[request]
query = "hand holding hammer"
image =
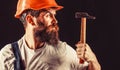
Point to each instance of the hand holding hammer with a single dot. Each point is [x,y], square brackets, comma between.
[81,45]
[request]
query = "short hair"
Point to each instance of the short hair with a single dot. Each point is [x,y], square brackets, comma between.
[34,13]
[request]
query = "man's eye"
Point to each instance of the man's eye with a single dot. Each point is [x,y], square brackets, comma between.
[48,15]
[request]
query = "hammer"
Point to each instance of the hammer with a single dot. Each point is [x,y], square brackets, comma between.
[83,16]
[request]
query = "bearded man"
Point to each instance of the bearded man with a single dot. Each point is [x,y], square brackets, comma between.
[40,48]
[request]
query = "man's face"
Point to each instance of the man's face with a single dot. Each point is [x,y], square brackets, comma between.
[47,28]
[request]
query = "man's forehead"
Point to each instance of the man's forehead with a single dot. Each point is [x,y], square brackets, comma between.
[51,10]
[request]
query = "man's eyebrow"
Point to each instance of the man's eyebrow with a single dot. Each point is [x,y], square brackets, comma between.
[47,11]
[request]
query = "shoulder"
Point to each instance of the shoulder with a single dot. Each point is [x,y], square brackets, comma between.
[67,50]
[70,52]
[7,57]
[6,52]
[62,49]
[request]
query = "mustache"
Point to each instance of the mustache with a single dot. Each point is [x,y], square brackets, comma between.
[52,28]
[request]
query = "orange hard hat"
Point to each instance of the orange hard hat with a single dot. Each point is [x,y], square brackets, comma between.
[35,5]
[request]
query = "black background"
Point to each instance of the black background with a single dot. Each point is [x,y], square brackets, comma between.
[102,33]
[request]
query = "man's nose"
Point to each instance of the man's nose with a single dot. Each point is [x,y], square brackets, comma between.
[54,21]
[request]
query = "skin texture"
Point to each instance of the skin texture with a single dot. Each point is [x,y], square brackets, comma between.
[85,53]
[45,25]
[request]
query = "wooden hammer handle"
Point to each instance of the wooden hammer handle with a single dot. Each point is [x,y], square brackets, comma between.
[83,34]
[83,30]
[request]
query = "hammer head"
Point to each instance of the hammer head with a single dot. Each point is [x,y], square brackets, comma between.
[83,14]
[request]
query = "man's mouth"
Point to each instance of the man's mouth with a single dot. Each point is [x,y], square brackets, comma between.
[52,28]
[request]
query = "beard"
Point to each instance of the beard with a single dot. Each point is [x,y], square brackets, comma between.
[47,34]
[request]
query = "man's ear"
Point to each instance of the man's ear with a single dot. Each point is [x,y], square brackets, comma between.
[29,19]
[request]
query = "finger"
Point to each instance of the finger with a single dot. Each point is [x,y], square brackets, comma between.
[80,56]
[80,49]
[89,55]
[80,52]
[80,45]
